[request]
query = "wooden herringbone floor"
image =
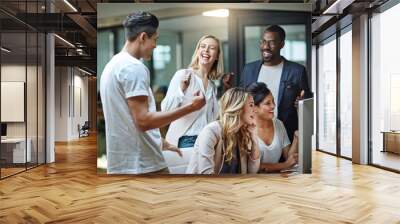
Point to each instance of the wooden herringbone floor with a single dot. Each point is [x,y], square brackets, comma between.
[70,191]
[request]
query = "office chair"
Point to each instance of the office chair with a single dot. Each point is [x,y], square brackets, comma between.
[84,130]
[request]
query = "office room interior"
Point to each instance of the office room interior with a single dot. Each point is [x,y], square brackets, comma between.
[53,157]
[178,35]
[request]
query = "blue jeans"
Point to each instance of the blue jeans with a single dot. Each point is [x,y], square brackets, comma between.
[187,141]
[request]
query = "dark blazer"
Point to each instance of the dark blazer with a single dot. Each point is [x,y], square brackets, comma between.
[293,80]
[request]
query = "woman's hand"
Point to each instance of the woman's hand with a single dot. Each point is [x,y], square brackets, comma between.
[227,80]
[294,148]
[291,160]
[252,129]
[185,81]
[167,146]
[296,134]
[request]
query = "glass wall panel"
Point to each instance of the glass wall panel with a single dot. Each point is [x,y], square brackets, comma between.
[41,79]
[121,39]
[346,94]
[22,89]
[385,84]
[14,153]
[327,96]
[105,48]
[31,98]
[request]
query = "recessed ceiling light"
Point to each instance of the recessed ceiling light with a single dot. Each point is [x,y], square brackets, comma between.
[337,7]
[84,71]
[5,50]
[64,40]
[70,5]
[217,13]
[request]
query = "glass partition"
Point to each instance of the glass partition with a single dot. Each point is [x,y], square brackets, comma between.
[327,96]
[31,98]
[346,94]
[15,151]
[385,89]
[22,88]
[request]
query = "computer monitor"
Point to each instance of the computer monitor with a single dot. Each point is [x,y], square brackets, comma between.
[3,129]
[306,130]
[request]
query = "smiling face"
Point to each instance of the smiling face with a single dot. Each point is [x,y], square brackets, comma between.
[270,46]
[248,111]
[207,53]
[265,110]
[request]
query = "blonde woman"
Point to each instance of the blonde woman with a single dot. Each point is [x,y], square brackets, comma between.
[228,145]
[206,65]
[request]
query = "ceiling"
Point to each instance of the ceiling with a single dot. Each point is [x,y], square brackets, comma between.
[107,10]
[186,23]
[111,14]
[329,15]
[76,24]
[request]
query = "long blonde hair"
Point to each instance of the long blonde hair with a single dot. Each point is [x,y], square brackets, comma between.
[217,68]
[234,132]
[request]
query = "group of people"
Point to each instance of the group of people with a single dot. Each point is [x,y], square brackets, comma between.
[237,134]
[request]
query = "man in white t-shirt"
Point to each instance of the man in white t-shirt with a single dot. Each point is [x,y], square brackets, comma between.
[287,80]
[133,140]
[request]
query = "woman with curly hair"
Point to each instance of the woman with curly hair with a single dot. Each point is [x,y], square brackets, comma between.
[228,145]
[273,140]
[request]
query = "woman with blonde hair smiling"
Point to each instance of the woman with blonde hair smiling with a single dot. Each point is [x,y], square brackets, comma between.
[228,145]
[206,65]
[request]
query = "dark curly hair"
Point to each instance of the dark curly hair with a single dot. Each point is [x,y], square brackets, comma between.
[259,91]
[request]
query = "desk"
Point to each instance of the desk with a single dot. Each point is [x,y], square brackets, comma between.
[13,150]
[391,141]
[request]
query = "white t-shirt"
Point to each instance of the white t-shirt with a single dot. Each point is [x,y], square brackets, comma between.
[272,153]
[129,150]
[271,75]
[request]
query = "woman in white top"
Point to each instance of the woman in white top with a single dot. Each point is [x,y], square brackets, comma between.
[229,145]
[273,140]
[206,65]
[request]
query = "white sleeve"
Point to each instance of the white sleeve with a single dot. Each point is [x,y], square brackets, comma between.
[134,81]
[282,133]
[207,140]
[174,96]
[216,104]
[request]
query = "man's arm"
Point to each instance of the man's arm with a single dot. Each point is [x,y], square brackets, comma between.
[146,120]
[304,84]
[304,88]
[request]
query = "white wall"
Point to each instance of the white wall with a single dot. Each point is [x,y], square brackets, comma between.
[70,83]
[17,73]
[79,117]
[61,103]
[33,126]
